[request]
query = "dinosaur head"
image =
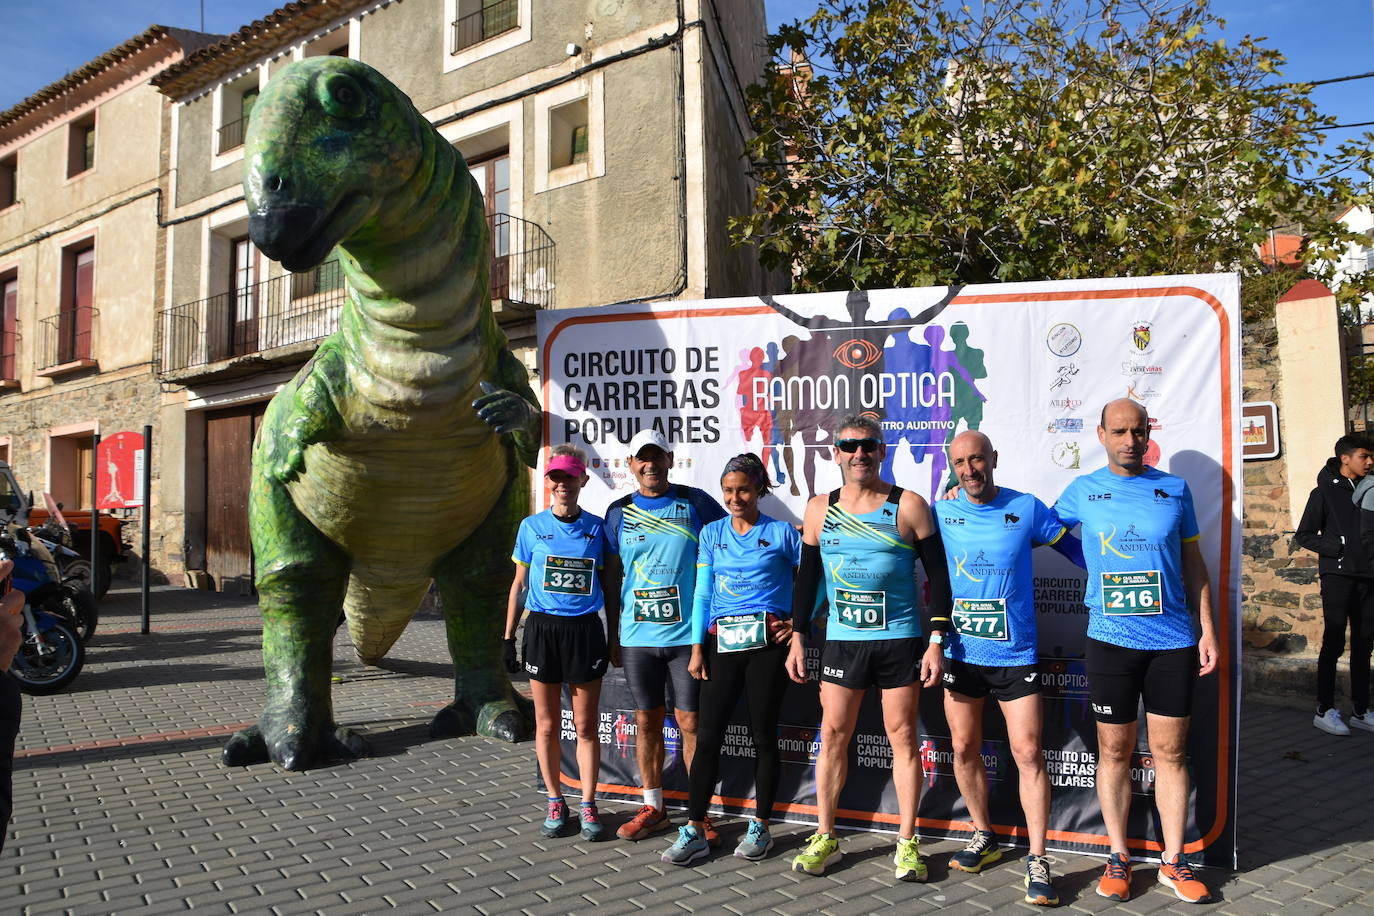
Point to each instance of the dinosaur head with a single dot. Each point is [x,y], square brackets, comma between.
[329,138]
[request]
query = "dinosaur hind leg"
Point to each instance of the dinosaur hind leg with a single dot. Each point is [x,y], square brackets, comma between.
[300,578]
[474,580]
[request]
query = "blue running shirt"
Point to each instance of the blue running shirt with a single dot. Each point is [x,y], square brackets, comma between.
[988,551]
[744,573]
[563,559]
[1132,531]
[870,574]
[656,537]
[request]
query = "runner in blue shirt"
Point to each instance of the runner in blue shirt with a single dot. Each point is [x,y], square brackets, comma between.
[558,562]
[741,625]
[864,539]
[652,535]
[988,533]
[1146,580]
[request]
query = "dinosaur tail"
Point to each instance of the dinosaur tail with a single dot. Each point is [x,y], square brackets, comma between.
[378,611]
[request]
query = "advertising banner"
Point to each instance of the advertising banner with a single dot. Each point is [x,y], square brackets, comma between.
[1030,365]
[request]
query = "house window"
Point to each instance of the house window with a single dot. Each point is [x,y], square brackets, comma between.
[333,43]
[9,181]
[78,303]
[9,309]
[479,20]
[235,123]
[569,133]
[81,146]
[326,278]
[492,175]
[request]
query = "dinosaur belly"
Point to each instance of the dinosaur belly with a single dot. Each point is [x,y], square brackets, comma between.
[397,504]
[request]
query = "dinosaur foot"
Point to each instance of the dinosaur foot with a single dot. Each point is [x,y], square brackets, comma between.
[505,719]
[293,749]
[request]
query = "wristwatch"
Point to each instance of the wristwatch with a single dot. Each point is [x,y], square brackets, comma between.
[937,638]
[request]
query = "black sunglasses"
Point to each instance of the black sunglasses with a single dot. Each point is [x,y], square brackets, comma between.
[850,446]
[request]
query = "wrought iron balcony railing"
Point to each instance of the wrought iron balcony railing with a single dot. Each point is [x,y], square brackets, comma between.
[65,338]
[488,22]
[303,308]
[231,135]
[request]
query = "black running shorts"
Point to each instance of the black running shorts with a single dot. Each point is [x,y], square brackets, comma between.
[565,650]
[1002,683]
[883,663]
[1118,677]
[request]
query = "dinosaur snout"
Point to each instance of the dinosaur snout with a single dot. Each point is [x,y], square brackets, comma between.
[289,233]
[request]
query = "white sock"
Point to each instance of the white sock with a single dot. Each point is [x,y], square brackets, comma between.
[654,798]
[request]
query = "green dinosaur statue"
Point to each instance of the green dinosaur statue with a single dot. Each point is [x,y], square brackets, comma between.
[397,455]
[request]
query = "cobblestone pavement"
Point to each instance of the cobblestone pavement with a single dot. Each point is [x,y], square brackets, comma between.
[121,805]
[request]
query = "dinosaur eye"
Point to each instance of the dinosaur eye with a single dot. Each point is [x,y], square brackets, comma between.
[341,96]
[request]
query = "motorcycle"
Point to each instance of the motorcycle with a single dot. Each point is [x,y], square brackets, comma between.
[72,572]
[51,653]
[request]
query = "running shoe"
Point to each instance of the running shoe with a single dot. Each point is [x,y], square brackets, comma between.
[1116,880]
[821,851]
[755,843]
[646,822]
[690,847]
[1039,888]
[712,836]
[1331,722]
[591,823]
[557,820]
[981,850]
[1178,876]
[1364,720]
[910,865]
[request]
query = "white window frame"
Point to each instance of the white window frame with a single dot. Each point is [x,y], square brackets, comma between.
[219,160]
[591,87]
[483,49]
[509,117]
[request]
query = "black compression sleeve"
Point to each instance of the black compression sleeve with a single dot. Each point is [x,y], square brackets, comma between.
[804,589]
[936,613]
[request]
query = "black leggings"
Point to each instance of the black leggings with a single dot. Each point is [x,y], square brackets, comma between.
[1346,600]
[759,675]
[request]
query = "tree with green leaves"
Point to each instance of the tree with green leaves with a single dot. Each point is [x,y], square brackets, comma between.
[920,142]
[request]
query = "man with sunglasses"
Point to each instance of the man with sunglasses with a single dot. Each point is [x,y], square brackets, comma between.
[864,539]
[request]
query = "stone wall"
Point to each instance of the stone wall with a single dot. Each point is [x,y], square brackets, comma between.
[1280,604]
[123,404]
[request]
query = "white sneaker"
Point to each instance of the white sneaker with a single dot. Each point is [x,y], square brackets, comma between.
[1331,723]
[1365,721]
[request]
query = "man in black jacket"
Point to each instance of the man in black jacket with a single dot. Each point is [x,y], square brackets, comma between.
[1330,527]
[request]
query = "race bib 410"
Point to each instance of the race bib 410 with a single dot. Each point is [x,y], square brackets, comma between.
[861,610]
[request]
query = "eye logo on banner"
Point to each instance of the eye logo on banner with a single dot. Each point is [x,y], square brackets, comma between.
[857,354]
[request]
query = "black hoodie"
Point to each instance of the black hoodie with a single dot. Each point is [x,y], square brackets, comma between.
[1330,525]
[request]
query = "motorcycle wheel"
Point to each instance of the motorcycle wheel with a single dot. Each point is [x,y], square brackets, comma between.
[79,605]
[46,665]
[80,569]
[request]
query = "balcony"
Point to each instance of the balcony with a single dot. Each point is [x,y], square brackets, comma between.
[280,321]
[64,342]
[492,20]
[231,136]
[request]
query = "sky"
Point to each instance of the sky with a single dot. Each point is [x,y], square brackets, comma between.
[43,41]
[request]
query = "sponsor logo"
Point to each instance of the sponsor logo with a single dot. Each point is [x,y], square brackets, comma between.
[763,543]
[858,353]
[1067,455]
[531,669]
[1151,456]
[1160,495]
[953,521]
[887,512]
[1009,519]
[596,462]
[1095,497]
[1134,368]
[544,537]
[1154,423]
[1141,390]
[1066,403]
[1102,708]
[1141,333]
[832,672]
[947,677]
[1064,339]
[1030,677]
[1063,376]
[1065,425]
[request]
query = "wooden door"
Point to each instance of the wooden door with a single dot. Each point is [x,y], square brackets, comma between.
[229,438]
